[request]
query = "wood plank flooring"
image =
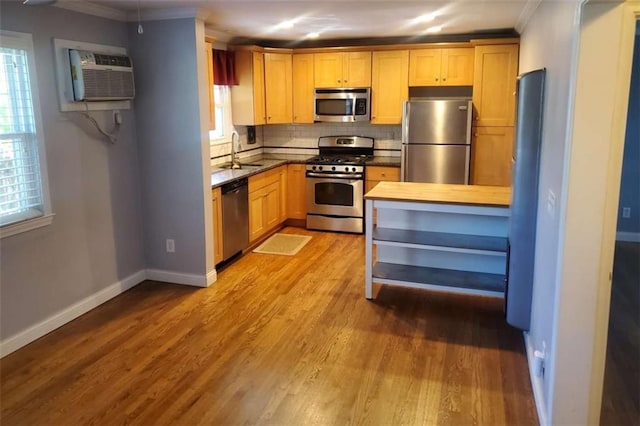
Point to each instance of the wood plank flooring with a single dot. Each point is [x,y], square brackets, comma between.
[277,340]
[621,389]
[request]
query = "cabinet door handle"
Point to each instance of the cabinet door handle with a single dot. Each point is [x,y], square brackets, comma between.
[436,78]
[444,78]
[345,81]
[339,81]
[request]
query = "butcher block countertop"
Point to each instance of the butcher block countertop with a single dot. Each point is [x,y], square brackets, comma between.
[441,193]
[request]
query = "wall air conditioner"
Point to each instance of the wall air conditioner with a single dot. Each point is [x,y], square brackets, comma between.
[101,77]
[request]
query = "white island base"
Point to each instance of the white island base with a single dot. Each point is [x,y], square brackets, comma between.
[437,237]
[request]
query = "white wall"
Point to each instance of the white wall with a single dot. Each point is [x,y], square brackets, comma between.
[581,161]
[593,184]
[548,41]
[96,236]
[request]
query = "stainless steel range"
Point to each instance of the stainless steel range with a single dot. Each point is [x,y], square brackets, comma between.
[335,184]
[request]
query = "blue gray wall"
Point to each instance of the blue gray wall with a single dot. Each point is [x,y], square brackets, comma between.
[96,236]
[171,144]
[630,187]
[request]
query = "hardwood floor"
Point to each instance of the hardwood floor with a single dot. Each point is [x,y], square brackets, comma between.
[277,340]
[621,389]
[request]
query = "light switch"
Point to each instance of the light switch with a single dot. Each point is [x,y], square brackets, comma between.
[551,203]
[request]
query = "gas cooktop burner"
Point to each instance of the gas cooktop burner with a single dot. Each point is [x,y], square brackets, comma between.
[338,159]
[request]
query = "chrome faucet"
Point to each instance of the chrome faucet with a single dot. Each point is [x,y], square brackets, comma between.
[235,138]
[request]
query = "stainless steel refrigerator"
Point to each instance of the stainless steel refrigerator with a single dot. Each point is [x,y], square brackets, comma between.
[436,141]
[524,198]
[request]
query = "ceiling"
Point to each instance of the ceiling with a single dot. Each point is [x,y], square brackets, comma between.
[334,19]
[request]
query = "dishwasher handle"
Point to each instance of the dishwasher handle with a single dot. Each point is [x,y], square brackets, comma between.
[235,186]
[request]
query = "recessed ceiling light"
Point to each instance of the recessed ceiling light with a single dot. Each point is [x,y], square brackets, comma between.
[435,29]
[313,35]
[286,24]
[429,17]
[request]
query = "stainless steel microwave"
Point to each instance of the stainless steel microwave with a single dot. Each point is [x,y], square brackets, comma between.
[343,105]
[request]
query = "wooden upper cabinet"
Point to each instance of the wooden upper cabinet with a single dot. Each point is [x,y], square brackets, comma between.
[389,86]
[491,155]
[456,68]
[495,74]
[303,88]
[441,67]
[342,69]
[247,98]
[357,69]
[210,82]
[424,67]
[278,76]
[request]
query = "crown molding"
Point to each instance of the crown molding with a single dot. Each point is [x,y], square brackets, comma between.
[92,9]
[526,14]
[218,35]
[169,13]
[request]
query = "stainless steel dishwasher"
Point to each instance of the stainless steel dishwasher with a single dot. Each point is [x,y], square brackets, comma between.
[235,217]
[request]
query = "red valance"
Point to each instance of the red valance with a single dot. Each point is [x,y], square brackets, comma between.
[224,68]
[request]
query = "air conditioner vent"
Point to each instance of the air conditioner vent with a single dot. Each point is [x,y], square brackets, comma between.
[101,77]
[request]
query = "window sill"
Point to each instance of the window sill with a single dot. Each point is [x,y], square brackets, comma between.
[26,225]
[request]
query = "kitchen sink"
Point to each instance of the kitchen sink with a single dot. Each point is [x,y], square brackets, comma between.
[242,166]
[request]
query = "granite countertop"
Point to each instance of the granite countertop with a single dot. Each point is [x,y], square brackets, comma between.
[221,175]
[499,196]
[384,161]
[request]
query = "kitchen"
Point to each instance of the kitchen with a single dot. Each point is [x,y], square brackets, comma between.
[161,182]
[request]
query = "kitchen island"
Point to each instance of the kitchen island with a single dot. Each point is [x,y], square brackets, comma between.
[438,237]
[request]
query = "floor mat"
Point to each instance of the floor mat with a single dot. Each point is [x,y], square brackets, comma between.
[285,244]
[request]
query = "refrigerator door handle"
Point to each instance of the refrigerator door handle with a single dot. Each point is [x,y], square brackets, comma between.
[403,163]
[405,122]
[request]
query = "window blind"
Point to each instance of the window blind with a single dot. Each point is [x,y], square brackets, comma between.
[20,182]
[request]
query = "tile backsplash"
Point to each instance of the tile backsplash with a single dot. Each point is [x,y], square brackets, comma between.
[220,152]
[303,139]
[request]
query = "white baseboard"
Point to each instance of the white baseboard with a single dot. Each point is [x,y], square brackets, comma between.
[212,277]
[180,278]
[59,319]
[633,237]
[536,382]
[36,331]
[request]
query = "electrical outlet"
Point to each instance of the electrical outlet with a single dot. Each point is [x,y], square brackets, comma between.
[171,246]
[626,212]
[551,203]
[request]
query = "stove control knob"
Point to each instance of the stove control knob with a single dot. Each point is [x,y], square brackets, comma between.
[313,167]
[354,169]
[346,169]
[333,168]
[320,167]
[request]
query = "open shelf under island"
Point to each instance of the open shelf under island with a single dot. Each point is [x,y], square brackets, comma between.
[437,237]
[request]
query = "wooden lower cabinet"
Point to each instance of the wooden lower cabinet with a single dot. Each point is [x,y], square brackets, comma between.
[296,192]
[264,210]
[377,174]
[491,156]
[216,200]
[267,199]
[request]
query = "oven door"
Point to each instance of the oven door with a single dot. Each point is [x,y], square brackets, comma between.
[333,196]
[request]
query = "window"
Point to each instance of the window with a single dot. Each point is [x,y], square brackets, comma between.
[24,195]
[224,126]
